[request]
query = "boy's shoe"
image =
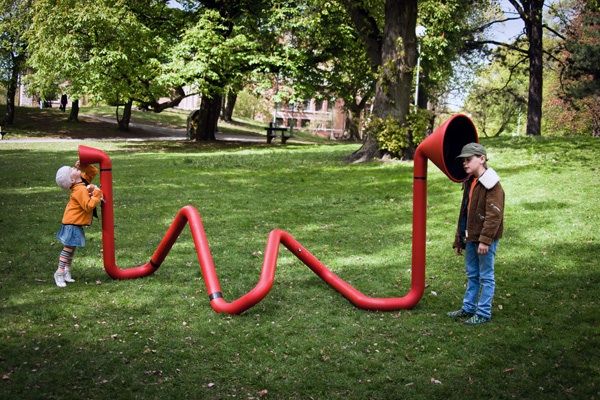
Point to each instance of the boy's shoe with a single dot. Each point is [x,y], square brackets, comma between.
[476,320]
[68,278]
[59,279]
[459,314]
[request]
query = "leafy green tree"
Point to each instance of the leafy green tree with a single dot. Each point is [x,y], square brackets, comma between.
[227,41]
[388,36]
[581,68]
[15,19]
[499,96]
[101,48]
[452,32]
[324,57]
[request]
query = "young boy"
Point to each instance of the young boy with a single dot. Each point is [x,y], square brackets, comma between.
[480,226]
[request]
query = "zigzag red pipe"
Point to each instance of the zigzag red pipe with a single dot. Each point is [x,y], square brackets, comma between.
[189,215]
[441,147]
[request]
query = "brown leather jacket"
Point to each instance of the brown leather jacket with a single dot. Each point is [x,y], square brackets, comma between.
[485,220]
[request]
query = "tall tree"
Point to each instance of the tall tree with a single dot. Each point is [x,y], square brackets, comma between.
[580,73]
[324,58]
[15,19]
[223,45]
[451,27]
[110,50]
[393,50]
[498,97]
[530,12]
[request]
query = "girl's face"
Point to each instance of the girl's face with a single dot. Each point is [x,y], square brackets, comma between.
[75,175]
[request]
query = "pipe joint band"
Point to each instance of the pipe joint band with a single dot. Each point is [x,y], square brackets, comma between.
[215,295]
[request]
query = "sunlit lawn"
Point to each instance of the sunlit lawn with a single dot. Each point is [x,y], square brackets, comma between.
[158,338]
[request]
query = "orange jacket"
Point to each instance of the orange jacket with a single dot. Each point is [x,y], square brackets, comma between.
[80,206]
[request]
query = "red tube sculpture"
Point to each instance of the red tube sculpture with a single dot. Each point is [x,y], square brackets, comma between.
[441,147]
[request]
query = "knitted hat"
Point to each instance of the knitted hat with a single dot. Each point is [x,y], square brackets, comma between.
[63,177]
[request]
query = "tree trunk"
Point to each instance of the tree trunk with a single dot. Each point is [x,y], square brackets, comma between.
[74,114]
[126,118]
[398,59]
[231,98]
[533,27]
[207,117]
[352,124]
[11,92]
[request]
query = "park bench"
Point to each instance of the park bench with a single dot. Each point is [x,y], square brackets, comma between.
[3,133]
[273,130]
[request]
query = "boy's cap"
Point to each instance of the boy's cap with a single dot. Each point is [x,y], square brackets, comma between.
[472,149]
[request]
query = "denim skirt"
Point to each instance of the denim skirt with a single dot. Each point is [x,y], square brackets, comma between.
[71,235]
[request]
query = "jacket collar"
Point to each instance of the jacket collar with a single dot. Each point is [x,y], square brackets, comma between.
[489,178]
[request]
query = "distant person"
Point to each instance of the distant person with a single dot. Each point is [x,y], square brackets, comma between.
[77,214]
[480,226]
[63,102]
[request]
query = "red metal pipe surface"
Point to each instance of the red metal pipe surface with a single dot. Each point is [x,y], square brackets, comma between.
[441,147]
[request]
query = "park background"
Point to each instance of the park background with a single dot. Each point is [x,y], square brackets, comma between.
[158,337]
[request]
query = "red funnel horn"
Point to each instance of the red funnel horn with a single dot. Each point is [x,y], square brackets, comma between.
[445,143]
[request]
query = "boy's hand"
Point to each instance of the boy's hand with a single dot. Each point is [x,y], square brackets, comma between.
[458,250]
[483,248]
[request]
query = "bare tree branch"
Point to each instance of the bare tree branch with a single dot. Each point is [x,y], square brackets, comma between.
[519,7]
[554,32]
[480,43]
[489,24]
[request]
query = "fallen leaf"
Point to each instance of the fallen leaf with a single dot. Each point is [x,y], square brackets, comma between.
[435,381]
[210,385]
[263,393]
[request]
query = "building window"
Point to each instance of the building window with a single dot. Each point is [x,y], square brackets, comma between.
[318,105]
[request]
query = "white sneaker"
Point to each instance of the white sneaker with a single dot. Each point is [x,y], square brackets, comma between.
[59,279]
[68,278]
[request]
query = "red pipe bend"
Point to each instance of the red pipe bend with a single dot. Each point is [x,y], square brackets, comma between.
[190,215]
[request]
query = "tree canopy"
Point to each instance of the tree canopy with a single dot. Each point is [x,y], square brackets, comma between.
[152,55]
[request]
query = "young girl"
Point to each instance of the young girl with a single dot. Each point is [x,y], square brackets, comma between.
[78,213]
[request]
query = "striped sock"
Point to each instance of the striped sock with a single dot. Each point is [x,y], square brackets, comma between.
[65,259]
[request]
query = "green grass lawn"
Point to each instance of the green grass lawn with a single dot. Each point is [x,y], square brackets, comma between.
[158,338]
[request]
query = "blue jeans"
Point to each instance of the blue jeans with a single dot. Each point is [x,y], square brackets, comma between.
[480,280]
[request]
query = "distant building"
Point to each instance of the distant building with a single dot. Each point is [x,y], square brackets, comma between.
[322,117]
